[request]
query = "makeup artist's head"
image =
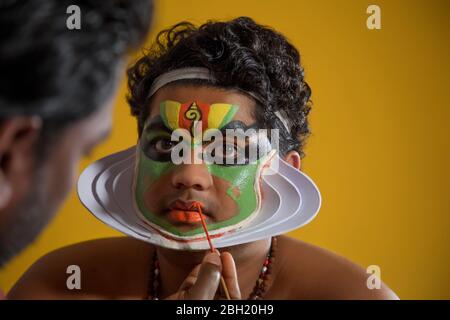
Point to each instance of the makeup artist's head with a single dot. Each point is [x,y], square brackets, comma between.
[237,55]
[56,91]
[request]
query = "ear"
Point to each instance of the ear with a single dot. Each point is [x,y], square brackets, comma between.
[293,158]
[18,136]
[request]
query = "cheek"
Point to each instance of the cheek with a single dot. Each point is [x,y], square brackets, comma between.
[226,194]
[62,169]
[154,193]
[152,182]
[235,190]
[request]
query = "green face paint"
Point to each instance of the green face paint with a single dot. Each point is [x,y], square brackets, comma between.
[154,166]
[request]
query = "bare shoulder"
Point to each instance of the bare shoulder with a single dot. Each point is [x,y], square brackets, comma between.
[311,272]
[103,275]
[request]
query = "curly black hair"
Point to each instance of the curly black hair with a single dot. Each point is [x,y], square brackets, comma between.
[240,54]
[64,75]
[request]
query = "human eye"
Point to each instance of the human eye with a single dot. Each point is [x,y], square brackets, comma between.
[162,144]
[157,145]
[229,153]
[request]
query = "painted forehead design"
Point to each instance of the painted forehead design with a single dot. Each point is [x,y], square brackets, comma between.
[157,123]
[176,115]
[249,147]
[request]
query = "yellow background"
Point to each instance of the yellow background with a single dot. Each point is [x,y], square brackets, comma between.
[379,150]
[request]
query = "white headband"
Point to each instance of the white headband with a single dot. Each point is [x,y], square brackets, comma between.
[205,74]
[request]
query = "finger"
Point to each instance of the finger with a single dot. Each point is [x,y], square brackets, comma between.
[208,279]
[229,274]
[190,279]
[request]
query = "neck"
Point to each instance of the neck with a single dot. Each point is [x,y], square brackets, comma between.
[176,265]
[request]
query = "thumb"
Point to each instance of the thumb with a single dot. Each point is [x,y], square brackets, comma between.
[208,279]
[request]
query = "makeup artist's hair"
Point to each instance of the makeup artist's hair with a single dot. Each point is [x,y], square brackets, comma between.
[240,54]
[64,75]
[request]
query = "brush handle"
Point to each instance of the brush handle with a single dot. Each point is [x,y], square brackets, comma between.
[222,280]
[224,287]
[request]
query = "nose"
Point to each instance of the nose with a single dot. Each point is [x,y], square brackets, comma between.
[195,176]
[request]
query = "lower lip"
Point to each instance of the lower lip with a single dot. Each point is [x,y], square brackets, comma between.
[185,216]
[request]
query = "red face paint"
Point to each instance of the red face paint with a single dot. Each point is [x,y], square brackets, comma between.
[185,212]
[184,216]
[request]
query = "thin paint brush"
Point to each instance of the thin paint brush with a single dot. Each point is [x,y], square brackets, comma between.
[222,280]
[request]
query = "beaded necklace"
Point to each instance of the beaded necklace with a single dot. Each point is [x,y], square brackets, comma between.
[258,290]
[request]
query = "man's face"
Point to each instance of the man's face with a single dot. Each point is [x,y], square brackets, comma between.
[164,191]
[39,187]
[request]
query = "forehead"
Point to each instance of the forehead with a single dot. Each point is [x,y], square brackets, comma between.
[209,95]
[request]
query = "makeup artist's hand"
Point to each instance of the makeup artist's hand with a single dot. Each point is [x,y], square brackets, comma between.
[204,280]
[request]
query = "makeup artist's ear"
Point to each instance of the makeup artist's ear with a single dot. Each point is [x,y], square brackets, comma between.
[17,141]
[293,158]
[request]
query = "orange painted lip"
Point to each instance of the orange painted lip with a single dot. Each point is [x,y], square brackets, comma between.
[185,216]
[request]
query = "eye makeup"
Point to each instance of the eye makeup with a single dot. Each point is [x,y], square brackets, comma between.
[237,176]
[157,144]
[237,143]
